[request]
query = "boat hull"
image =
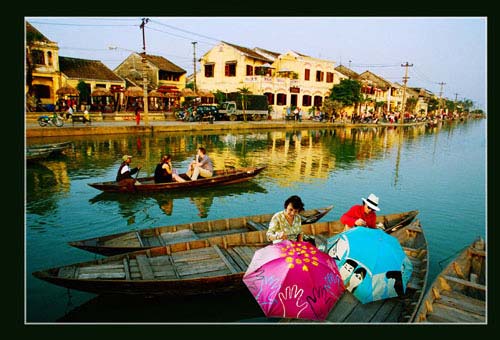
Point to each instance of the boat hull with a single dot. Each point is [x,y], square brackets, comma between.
[147,184]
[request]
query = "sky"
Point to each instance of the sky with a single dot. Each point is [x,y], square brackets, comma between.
[448,54]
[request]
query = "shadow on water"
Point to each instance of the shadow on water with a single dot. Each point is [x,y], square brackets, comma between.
[230,307]
[202,198]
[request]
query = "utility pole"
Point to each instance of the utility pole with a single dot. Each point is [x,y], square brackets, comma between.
[194,66]
[456,96]
[405,80]
[144,74]
[440,95]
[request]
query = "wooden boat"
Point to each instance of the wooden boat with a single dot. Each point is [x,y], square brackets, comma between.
[160,236]
[401,309]
[40,151]
[147,184]
[208,266]
[32,155]
[458,293]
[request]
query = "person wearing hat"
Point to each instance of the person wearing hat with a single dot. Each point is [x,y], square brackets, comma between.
[124,174]
[362,214]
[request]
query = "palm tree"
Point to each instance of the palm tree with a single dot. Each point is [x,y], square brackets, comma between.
[242,93]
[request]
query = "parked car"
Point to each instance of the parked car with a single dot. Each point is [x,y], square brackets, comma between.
[203,111]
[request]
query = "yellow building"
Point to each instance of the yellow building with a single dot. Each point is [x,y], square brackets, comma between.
[162,75]
[42,66]
[96,76]
[289,79]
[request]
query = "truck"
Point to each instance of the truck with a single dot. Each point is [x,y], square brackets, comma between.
[256,107]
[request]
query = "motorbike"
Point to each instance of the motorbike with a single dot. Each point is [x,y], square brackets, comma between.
[54,120]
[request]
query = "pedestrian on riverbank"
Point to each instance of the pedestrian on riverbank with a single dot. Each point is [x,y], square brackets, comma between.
[137,116]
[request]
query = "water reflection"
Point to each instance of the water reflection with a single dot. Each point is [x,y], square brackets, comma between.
[227,307]
[201,199]
[303,155]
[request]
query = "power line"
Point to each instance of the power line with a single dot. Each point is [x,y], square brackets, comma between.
[81,25]
[185,31]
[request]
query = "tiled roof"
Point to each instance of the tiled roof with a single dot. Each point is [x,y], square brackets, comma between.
[86,69]
[164,64]
[250,53]
[271,53]
[377,80]
[35,34]
[347,71]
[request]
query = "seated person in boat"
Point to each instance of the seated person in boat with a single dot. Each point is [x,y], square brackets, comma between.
[287,224]
[124,175]
[362,214]
[201,166]
[165,173]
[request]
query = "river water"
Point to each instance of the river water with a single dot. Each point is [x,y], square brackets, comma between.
[439,171]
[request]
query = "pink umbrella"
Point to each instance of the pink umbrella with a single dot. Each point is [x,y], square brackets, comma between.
[294,280]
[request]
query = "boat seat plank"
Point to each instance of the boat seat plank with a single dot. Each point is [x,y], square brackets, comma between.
[462,301]
[256,225]
[99,275]
[243,253]
[207,266]
[139,239]
[223,258]
[237,259]
[102,268]
[67,272]
[184,235]
[451,314]
[343,308]
[387,312]
[145,267]
[222,232]
[126,268]
[396,312]
[221,272]
[465,282]
[193,255]
[363,312]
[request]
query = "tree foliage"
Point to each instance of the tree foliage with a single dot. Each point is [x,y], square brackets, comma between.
[347,92]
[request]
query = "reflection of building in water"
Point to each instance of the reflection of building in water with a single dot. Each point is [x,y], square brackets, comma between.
[203,204]
[167,205]
[60,172]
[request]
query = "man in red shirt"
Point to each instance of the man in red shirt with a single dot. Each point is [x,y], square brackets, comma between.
[362,214]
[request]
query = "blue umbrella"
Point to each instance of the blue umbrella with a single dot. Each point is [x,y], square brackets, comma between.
[372,263]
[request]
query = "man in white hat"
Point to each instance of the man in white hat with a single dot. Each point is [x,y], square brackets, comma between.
[362,214]
[124,174]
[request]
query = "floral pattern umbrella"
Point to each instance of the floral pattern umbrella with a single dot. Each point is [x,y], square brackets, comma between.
[372,263]
[294,280]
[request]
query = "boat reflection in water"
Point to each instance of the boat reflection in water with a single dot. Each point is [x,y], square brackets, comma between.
[224,307]
[201,198]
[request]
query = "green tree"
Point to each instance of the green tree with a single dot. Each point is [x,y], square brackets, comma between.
[433,104]
[410,104]
[347,92]
[220,96]
[242,95]
[84,91]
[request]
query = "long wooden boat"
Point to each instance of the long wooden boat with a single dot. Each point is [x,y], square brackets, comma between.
[40,151]
[400,309]
[208,266]
[458,293]
[160,236]
[147,184]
